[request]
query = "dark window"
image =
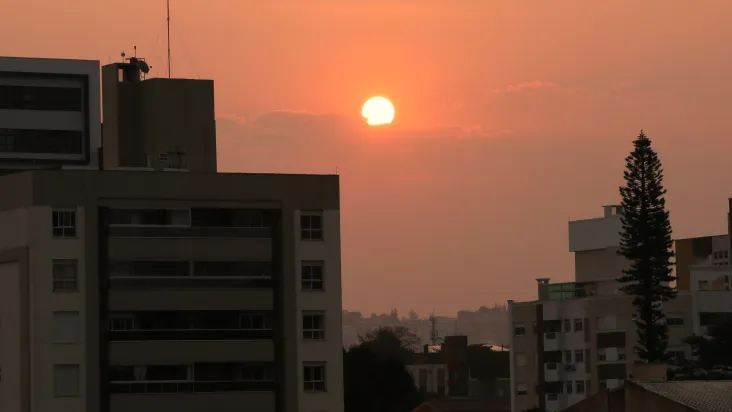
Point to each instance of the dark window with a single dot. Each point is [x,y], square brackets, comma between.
[227,269]
[578,325]
[65,276]
[150,268]
[579,356]
[63,223]
[567,325]
[312,275]
[313,326]
[311,226]
[254,321]
[675,321]
[519,330]
[580,386]
[314,378]
[568,387]
[152,217]
[149,373]
[40,98]
[567,356]
[41,141]
[241,218]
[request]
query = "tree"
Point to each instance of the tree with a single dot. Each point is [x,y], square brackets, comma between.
[646,242]
[712,354]
[375,375]
[391,339]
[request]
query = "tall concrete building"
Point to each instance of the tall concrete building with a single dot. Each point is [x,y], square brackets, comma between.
[150,282]
[578,337]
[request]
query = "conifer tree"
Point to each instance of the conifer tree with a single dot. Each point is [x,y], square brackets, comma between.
[646,243]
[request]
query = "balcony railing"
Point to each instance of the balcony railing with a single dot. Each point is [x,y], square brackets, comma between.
[244,282]
[189,335]
[169,231]
[191,387]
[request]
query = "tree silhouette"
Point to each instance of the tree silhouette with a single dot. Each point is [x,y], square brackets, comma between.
[375,375]
[646,242]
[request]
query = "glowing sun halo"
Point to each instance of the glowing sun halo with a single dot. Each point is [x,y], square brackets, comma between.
[378,111]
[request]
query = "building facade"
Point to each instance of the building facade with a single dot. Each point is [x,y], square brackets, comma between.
[169,288]
[49,112]
[578,337]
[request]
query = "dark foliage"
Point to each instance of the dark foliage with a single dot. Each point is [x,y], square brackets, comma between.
[646,242]
[712,354]
[375,374]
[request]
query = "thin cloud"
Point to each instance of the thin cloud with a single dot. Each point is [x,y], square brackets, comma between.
[533,85]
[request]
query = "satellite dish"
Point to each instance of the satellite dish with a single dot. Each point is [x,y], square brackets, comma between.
[143,66]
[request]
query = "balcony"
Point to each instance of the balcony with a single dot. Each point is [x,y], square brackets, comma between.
[189,223]
[213,334]
[162,274]
[190,387]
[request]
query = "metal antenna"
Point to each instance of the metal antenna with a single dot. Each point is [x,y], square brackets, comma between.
[168,9]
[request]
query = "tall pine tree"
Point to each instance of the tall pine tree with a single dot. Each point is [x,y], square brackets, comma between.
[646,243]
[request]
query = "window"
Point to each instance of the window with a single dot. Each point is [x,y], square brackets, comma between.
[601,356]
[567,356]
[37,142]
[580,386]
[311,226]
[602,385]
[311,273]
[65,99]
[314,378]
[579,356]
[121,322]
[521,389]
[66,381]
[568,387]
[578,325]
[65,277]
[253,321]
[519,329]
[675,321]
[64,223]
[520,359]
[66,327]
[567,325]
[313,326]
[552,366]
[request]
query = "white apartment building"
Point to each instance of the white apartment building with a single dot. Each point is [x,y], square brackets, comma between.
[136,288]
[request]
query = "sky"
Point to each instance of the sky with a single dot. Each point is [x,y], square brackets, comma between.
[512,117]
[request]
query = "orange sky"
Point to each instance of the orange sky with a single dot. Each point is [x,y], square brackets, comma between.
[512,116]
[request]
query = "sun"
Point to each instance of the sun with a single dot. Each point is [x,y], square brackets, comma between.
[378,111]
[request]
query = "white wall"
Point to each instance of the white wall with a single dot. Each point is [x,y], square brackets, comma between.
[592,234]
[43,249]
[331,349]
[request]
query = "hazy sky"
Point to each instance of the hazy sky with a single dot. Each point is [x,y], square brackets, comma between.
[512,117]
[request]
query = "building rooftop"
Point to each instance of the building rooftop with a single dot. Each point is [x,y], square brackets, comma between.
[700,396]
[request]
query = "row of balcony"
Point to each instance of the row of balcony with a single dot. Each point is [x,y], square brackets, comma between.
[190,387]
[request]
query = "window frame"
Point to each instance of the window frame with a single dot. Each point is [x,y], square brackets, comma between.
[311,280]
[581,323]
[578,385]
[56,282]
[313,233]
[57,368]
[60,228]
[516,327]
[310,384]
[313,334]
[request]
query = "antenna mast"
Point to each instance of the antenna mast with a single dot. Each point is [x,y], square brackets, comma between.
[433,329]
[168,9]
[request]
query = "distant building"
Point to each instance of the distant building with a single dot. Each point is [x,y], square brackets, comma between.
[149,282]
[577,339]
[49,113]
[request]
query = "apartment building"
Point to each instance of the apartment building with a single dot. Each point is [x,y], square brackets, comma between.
[703,269]
[150,282]
[578,337]
[49,112]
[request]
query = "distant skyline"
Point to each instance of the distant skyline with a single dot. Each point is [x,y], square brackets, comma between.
[512,118]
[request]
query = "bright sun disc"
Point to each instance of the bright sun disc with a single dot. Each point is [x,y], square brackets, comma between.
[378,111]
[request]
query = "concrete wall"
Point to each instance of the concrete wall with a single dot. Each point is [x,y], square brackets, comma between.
[593,234]
[330,350]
